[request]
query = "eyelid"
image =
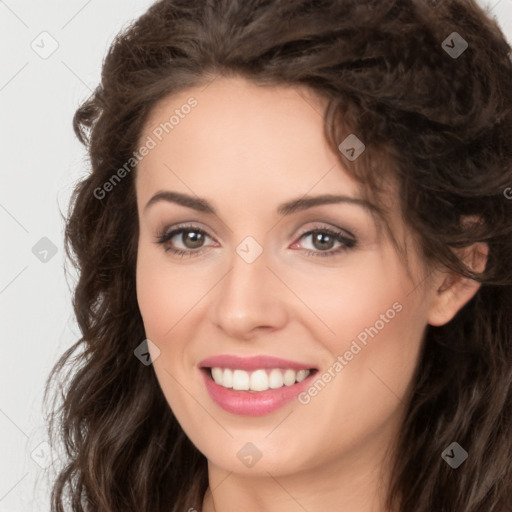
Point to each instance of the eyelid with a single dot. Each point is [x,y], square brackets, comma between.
[346,242]
[172,230]
[167,229]
[328,227]
[342,236]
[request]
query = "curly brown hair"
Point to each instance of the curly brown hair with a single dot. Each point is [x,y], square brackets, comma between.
[443,125]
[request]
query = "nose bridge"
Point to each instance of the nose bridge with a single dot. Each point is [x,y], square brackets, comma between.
[248,296]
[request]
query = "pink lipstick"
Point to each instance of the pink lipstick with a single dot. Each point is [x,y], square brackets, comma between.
[254,386]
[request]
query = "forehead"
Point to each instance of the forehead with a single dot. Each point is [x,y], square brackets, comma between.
[238,134]
[246,149]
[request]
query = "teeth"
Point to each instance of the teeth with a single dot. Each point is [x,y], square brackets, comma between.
[240,380]
[217,375]
[289,377]
[275,379]
[301,375]
[227,377]
[258,380]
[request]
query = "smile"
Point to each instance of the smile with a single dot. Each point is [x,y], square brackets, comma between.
[259,380]
[254,386]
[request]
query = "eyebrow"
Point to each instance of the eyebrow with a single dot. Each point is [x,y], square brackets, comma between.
[292,206]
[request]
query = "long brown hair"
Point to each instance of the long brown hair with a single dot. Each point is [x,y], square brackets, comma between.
[442,125]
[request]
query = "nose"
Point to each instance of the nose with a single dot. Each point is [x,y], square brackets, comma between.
[250,299]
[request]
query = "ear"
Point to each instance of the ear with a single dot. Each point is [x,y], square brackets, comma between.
[452,291]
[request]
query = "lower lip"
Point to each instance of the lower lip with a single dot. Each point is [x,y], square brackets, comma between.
[252,403]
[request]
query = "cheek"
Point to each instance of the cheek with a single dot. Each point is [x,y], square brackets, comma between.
[163,299]
[164,294]
[377,326]
[363,387]
[365,294]
[153,296]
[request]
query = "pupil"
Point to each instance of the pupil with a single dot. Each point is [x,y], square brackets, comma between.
[320,239]
[193,239]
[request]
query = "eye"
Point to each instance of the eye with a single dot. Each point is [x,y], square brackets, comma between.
[191,238]
[323,240]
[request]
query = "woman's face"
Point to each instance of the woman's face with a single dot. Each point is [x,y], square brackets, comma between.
[262,275]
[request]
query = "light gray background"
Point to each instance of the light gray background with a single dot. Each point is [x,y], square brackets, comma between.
[41,161]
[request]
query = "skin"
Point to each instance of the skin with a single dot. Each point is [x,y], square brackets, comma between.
[246,149]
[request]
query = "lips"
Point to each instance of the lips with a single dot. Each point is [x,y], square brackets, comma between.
[251,363]
[254,386]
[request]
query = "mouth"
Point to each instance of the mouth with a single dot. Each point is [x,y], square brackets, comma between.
[258,380]
[254,386]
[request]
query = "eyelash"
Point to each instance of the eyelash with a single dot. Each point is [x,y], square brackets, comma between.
[163,237]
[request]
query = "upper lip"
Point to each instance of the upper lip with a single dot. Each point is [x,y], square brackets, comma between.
[251,363]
